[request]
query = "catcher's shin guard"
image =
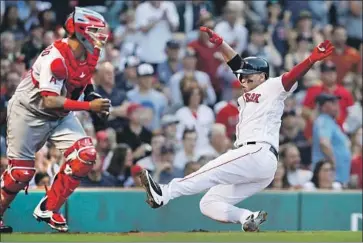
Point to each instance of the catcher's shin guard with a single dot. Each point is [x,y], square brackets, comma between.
[79,162]
[14,179]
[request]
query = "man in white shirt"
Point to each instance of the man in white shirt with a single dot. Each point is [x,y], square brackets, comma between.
[157,20]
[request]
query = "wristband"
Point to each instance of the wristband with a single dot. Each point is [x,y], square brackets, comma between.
[74,105]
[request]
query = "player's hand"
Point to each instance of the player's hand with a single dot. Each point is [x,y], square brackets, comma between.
[100,105]
[322,51]
[213,36]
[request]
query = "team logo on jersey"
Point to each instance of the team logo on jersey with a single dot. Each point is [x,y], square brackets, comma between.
[252,97]
[53,80]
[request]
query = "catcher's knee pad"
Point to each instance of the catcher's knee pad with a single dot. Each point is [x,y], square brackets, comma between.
[79,158]
[17,176]
[79,162]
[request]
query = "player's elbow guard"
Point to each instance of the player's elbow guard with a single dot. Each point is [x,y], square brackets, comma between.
[58,69]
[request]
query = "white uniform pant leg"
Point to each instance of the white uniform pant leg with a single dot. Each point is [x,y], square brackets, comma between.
[218,203]
[248,164]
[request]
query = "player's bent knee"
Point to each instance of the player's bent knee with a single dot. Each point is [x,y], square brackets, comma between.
[17,176]
[205,206]
[80,158]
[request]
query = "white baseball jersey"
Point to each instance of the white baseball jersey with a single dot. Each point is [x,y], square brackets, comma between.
[260,112]
[40,78]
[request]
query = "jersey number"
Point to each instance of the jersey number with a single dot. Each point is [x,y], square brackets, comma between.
[46,51]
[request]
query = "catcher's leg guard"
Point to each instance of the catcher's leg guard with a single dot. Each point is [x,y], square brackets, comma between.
[14,179]
[79,161]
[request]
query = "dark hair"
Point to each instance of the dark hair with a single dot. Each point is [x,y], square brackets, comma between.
[117,163]
[5,22]
[39,176]
[188,93]
[318,166]
[188,130]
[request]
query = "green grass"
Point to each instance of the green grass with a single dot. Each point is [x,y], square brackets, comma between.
[317,236]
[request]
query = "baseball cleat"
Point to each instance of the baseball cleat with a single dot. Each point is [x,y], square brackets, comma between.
[5,228]
[253,222]
[54,220]
[153,191]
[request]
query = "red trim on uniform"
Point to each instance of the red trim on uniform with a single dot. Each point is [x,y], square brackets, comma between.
[48,93]
[74,105]
[35,82]
[296,73]
[22,163]
[193,175]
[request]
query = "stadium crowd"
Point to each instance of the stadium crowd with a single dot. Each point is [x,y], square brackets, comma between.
[174,99]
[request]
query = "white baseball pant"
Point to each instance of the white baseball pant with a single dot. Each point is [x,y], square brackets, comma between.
[230,178]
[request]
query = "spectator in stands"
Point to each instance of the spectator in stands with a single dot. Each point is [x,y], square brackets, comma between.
[290,157]
[227,112]
[188,152]
[119,165]
[149,162]
[291,132]
[4,69]
[12,79]
[3,158]
[169,124]
[127,79]
[34,45]
[134,134]
[41,180]
[303,47]
[329,141]
[353,24]
[135,174]
[280,181]
[106,88]
[232,30]
[103,144]
[191,167]
[11,22]
[172,64]
[195,114]
[157,20]
[261,45]
[323,178]
[357,164]
[346,59]
[165,171]
[48,38]
[218,142]
[189,70]
[328,85]
[146,95]
[208,57]
[8,46]
[47,19]
[55,159]
[126,31]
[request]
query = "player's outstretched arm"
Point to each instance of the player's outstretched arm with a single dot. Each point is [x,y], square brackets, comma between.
[230,56]
[319,53]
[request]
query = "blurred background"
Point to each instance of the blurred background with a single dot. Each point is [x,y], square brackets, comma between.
[174,99]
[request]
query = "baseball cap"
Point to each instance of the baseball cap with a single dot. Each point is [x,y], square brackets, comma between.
[189,52]
[236,84]
[327,66]
[145,69]
[167,120]
[324,97]
[304,15]
[173,44]
[135,170]
[133,107]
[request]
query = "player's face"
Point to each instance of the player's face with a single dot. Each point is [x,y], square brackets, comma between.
[250,82]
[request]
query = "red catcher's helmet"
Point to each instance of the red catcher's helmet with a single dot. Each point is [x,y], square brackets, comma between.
[86,25]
